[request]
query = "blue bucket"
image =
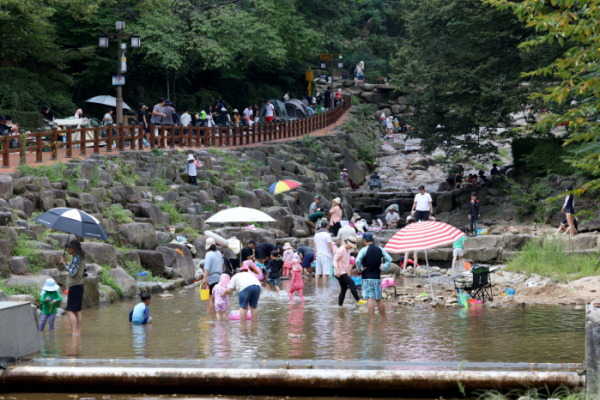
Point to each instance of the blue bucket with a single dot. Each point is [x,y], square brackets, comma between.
[357,280]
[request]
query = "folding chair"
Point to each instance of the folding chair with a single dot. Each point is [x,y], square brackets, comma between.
[481,286]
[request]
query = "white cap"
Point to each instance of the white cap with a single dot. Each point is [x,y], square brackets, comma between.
[209,242]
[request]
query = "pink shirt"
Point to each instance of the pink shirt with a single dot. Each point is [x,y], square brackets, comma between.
[341,261]
[287,255]
[221,303]
[336,215]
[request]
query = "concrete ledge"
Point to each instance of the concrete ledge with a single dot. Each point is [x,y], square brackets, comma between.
[188,380]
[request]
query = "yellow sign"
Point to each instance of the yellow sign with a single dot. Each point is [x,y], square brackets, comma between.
[325,56]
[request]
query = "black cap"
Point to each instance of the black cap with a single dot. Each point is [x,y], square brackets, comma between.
[324,209]
[141,105]
[2,118]
[161,99]
[252,241]
[569,187]
[7,118]
[473,193]
[168,102]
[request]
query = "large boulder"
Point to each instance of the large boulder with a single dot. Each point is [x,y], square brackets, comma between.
[152,261]
[125,281]
[46,259]
[47,200]
[5,248]
[282,215]
[355,172]
[6,187]
[264,198]
[196,222]
[138,235]
[179,258]
[371,97]
[100,253]
[444,203]
[300,228]
[248,199]
[5,269]
[91,293]
[149,210]
[23,204]
[19,265]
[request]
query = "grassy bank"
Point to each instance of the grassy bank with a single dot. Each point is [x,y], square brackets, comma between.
[551,258]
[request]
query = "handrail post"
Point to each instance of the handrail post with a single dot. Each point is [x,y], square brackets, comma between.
[5,152]
[121,139]
[97,140]
[83,140]
[53,147]
[109,139]
[161,135]
[69,143]
[38,147]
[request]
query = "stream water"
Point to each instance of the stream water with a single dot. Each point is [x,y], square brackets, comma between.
[322,331]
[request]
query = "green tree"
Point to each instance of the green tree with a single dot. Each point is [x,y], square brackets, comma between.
[574,74]
[461,65]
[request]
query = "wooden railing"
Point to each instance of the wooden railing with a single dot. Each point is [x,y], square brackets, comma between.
[162,136]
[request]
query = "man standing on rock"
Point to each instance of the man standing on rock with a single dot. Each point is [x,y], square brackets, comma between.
[369,264]
[314,205]
[324,252]
[423,204]
[307,255]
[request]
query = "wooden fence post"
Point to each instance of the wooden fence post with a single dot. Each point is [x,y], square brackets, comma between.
[5,152]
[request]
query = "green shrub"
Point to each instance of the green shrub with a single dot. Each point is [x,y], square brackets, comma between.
[355,100]
[529,199]
[21,289]
[26,119]
[24,248]
[176,216]
[106,280]
[118,214]
[541,156]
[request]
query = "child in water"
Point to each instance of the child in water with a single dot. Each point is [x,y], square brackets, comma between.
[50,301]
[221,303]
[288,254]
[297,284]
[140,314]
[275,265]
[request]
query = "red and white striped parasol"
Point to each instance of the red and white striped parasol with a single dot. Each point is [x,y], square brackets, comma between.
[422,236]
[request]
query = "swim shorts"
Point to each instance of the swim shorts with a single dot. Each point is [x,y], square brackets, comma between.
[249,296]
[371,289]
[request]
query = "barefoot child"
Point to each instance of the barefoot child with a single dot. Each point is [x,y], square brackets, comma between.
[297,284]
[275,265]
[221,303]
[287,260]
[50,301]
[140,314]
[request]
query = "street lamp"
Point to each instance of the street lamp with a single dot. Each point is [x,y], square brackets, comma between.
[121,59]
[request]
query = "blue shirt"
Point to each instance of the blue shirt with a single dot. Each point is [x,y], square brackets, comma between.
[139,314]
[213,264]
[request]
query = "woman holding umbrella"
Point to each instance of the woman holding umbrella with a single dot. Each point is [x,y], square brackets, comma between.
[75,285]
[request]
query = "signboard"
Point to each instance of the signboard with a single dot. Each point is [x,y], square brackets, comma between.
[325,56]
[118,80]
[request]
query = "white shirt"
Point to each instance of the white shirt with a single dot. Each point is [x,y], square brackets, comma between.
[390,124]
[286,97]
[321,240]
[423,201]
[313,208]
[270,109]
[242,280]
[107,119]
[344,233]
[247,113]
[185,119]
[359,69]
[392,217]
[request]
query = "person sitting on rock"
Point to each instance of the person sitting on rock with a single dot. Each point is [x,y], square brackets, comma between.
[344,175]
[313,218]
[453,181]
[375,182]
[391,219]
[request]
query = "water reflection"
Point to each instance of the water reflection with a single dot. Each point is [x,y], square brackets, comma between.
[320,330]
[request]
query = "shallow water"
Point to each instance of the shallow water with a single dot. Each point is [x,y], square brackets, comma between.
[182,330]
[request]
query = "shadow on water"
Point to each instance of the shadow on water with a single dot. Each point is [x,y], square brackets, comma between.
[320,330]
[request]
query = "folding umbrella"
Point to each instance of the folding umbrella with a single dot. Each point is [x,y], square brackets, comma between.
[422,236]
[284,186]
[72,221]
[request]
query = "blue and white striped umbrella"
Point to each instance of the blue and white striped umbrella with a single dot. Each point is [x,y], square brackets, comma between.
[71,220]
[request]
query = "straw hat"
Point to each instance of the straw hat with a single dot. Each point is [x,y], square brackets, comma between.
[351,241]
[287,246]
[50,285]
[190,157]
[337,200]
[209,242]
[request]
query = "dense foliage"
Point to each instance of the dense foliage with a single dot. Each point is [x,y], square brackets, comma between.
[240,50]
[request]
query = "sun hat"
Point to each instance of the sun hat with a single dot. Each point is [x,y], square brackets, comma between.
[235,110]
[50,285]
[225,279]
[360,227]
[190,157]
[351,241]
[337,200]
[223,109]
[209,242]
[287,246]
[345,169]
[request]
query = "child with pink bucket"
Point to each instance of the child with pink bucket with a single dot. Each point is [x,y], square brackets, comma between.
[288,254]
[221,303]
[297,284]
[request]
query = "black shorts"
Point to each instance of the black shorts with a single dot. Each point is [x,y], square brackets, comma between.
[421,216]
[569,210]
[210,287]
[75,298]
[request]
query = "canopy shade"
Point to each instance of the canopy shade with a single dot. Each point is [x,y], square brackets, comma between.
[422,236]
[239,214]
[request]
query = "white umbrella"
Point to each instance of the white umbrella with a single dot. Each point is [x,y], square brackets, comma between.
[106,101]
[240,214]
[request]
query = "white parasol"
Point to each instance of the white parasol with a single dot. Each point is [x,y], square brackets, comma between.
[106,101]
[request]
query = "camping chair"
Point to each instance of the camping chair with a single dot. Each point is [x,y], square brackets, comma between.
[480,288]
[374,183]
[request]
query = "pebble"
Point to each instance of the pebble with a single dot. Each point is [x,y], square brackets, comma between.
[165,295]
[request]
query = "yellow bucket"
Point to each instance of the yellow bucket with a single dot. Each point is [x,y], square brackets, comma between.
[204,293]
